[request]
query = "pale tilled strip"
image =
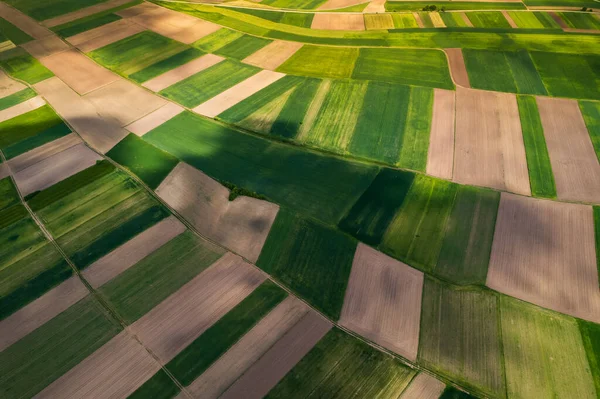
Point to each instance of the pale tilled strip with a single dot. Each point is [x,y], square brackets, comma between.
[19,109]
[440,157]
[55,168]
[84,12]
[23,22]
[437,20]
[509,19]
[185,315]
[8,85]
[134,250]
[457,65]
[4,172]
[182,72]
[280,359]
[237,93]
[375,6]
[273,54]
[155,119]
[97,131]
[418,19]
[45,47]
[243,354]
[41,310]
[78,71]
[383,301]
[104,35]
[115,370]
[338,21]
[423,386]
[467,20]
[574,163]
[38,154]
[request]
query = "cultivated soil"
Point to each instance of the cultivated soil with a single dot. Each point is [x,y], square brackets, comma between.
[338,21]
[440,157]
[273,55]
[155,119]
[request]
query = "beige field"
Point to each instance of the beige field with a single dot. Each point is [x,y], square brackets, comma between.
[38,312]
[124,102]
[237,93]
[38,154]
[379,21]
[184,71]
[280,358]
[78,71]
[335,4]
[558,19]
[185,315]
[104,35]
[574,162]
[544,252]
[45,47]
[509,19]
[573,30]
[177,26]
[423,386]
[273,54]
[55,168]
[440,157]
[241,225]
[134,250]
[115,370]
[418,19]
[19,109]
[243,354]
[338,21]
[437,20]
[84,12]
[155,119]
[375,6]
[23,22]
[81,114]
[4,171]
[489,149]
[458,70]
[383,301]
[9,86]
[467,21]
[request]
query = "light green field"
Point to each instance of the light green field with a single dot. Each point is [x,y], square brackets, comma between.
[543,353]
[453,20]
[217,40]
[526,20]
[452,5]
[166,65]
[20,65]
[404,21]
[242,47]
[488,19]
[321,62]
[378,21]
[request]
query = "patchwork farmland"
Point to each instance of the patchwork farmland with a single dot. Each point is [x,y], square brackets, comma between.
[300,198]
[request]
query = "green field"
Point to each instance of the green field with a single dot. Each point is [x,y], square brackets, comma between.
[358,371]
[488,19]
[538,159]
[512,72]
[528,20]
[426,19]
[404,21]
[467,244]
[460,337]
[416,233]
[292,116]
[302,20]
[54,348]
[298,4]
[146,161]
[591,115]
[451,5]
[453,20]
[580,20]
[206,84]
[242,47]
[316,185]
[12,33]
[311,259]
[166,65]
[134,53]
[160,386]
[321,62]
[16,98]
[143,286]
[597,233]
[590,334]
[47,9]
[20,65]
[544,353]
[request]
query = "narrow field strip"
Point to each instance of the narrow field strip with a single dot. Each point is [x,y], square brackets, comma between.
[423,386]
[154,119]
[440,155]
[457,67]
[38,154]
[21,65]
[182,72]
[9,86]
[22,108]
[338,21]
[23,22]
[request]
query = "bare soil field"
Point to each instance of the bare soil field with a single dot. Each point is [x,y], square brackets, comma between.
[440,157]
[280,358]
[273,54]
[544,252]
[375,6]
[335,4]
[98,132]
[182,317]
[9,86]
[134,250]
[45,47]
[104,35]
[19,109]
[241,356]
[23,22]
[423,386]
[184,71]
[115,370]
[338,21]
[38,312]
[574,162]
[78,71]
[237,93]
[38,154]
[241,225]
[489,148]
[124,102]
[458,70]
[84,12]
[55,168]
[155,119]
[169,23]
[383,301]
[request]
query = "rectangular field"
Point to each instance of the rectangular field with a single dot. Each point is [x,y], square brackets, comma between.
[488,19]
[50,8]
[321,62]
[591,115]
[580,20]
[166,65]
[453,5]
[404,21]
[242,47]
[20,65]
